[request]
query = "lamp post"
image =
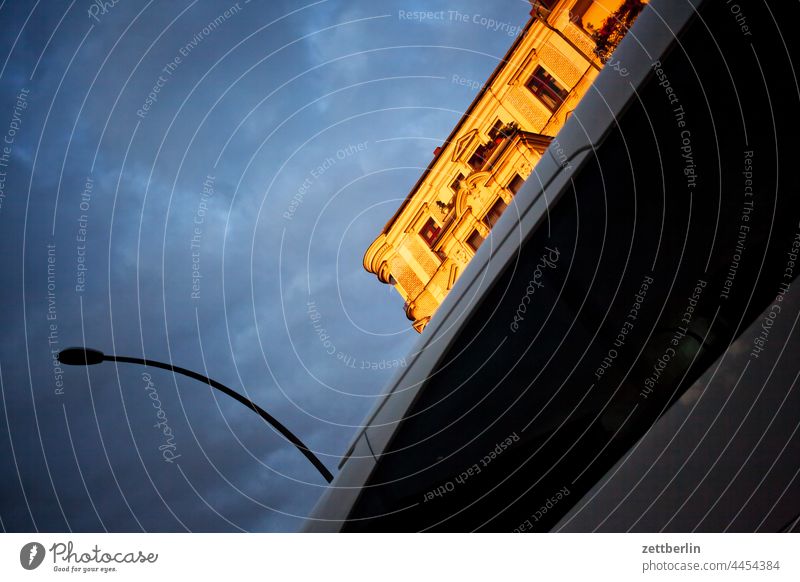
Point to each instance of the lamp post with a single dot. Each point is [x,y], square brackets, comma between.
[89,357]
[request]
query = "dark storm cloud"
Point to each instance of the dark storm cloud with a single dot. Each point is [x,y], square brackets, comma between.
[271,107]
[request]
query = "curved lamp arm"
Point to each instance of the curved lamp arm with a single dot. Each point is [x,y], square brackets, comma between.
[88,357]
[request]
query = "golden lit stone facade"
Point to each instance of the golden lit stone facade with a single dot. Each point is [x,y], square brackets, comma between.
[475,174]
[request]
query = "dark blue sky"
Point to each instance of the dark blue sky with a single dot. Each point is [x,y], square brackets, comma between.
[183,179]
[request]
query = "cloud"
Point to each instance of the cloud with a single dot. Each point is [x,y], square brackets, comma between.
[89,458]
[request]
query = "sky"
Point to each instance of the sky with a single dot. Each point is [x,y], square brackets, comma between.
[196,182]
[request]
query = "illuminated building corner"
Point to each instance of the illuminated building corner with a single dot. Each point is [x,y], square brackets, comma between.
[493,148]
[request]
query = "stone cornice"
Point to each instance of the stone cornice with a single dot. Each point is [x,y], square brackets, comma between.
[376,260]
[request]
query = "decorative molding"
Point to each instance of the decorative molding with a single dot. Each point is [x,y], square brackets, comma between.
[470,191]
[464,144]
[460,254]
[453,275]
[560,66]
[416,223]
[534,115]
[523,69]
[420,324]
[579,37]
[376,258]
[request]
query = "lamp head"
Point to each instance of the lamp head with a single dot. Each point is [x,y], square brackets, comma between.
[80,356]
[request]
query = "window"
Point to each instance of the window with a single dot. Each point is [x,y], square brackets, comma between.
[494,213]
[479,158]
[515,184]
[578,10]
[500,131]
[546,88]
[454,186]
[430,232]
[475,240]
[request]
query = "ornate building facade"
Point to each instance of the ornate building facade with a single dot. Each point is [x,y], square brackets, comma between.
[483,163]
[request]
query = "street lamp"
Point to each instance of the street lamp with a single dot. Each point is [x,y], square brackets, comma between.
[88,357]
